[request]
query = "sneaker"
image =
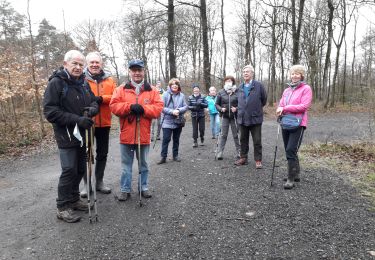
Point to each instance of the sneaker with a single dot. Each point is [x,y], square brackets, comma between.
[146,194]
[219,156]
[241,161]
[202,142]
[102,188]
[213,137]
[122,196]
[258,165]
[176,159]
[67,215]
[162,160]
[195,145]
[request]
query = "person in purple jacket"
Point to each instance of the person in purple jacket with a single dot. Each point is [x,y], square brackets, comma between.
[296,100]
[252,97]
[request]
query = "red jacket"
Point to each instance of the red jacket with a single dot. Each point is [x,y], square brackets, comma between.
[120,103]
[104,88]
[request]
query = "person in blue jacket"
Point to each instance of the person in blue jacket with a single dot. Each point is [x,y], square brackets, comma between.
[252,97]
[212,111]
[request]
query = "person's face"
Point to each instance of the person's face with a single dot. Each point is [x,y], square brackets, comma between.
[94,65]
[247,74]
[195,91]
[158,85]
[174,87]
[137,74]
[75,66]
[295,76]
[213,92]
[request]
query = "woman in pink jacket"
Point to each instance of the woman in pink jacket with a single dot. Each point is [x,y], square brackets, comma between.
[296,100]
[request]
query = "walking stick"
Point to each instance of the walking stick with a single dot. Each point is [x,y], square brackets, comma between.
[218,137]
[274,158]
[90,162]
[139,158]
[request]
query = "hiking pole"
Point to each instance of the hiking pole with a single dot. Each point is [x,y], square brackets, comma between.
[274,158]
[155,139]
[139,158]
[93,183]
[218,137]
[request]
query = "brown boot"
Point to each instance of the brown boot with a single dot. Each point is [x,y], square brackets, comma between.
[241,161]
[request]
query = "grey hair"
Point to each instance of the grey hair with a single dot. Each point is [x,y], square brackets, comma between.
[94,53]
[249,67]
[73,54]
[212,87]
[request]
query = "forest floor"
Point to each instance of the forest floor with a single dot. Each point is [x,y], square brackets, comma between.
[206,209]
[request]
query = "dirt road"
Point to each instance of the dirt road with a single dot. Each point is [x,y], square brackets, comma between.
[201,208]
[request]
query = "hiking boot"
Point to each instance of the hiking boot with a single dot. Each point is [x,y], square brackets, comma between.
[219,155]
[241,161]
[80,205]
[67,215]
[122,196]
[195,145]
[213,137]
[292,172]
[146,194]
[202,142]
[162,160]
[103,189]
[258,165]
[176,159]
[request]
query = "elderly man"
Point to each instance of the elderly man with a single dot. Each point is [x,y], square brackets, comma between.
[252,97]
[102,85]
[65,101]
[135,103]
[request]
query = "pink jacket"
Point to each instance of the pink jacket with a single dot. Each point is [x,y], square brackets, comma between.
[297,101]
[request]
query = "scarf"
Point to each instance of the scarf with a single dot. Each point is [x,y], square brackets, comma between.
[137,86]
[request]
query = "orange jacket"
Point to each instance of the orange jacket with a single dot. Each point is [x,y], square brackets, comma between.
[104,88]
[152,104]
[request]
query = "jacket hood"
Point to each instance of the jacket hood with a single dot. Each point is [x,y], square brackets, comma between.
[62,73]
[102,76]
[145,87]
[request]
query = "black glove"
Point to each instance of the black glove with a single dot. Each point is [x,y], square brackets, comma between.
[137,109]
[99,100]
[199,103]
[85,122]
[91,111]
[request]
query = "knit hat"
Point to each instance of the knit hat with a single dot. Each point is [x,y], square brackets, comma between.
[195,85]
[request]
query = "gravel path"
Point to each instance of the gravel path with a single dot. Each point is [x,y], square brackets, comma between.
[201,208]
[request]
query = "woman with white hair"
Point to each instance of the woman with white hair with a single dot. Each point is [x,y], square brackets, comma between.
[296,100]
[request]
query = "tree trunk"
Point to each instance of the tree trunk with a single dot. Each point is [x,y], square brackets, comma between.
[224,41]
[247,35]
[327,62]
[206,58]
[171,40]
[296,29]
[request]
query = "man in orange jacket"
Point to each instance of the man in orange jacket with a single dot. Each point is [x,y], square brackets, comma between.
[135,99]
[102,85]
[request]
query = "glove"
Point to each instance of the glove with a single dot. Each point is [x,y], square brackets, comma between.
[199,102]
[99,100]
[85,122]
[137,109]
[91,111]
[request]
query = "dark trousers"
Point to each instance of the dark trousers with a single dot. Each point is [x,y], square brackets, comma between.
[73,166]
[102,142]
[198,123]
[292,141]
[256,134]
[167,135]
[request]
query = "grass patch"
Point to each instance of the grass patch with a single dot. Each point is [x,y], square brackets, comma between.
[357,160]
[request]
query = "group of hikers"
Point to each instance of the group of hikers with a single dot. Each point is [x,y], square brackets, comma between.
[81,98]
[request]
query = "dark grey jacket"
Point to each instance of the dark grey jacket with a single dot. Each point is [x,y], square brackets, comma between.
[250,108]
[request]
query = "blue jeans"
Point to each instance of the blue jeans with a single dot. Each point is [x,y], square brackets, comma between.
[215,124]
[127,157]
[167,135]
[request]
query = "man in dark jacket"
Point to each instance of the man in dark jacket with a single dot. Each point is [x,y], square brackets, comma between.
[66,99]
[197,103]
[252,97]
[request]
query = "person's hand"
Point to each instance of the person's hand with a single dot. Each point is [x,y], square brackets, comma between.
[176,112]
[279,111]
[91,111]
[234,109]
[85,122]
[199,103]
[223,109]
[137,109]
[99,99]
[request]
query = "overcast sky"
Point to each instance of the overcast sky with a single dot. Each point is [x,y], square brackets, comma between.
[74,11]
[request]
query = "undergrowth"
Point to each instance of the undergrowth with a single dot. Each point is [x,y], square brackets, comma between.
[357,160]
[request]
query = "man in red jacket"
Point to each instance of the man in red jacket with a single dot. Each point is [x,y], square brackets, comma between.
[135,99]
[102,85]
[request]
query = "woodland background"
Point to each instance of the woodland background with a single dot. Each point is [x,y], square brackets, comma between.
[191,40]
